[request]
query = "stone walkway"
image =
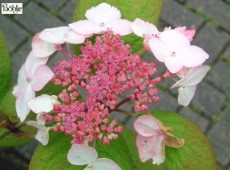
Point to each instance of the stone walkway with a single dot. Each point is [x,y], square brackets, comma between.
[210,109]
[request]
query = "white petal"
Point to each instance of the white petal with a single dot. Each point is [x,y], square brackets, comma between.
[42,48]
[41,77]
[120,26]
[86,27]
[173,40]
[192,56]
[35,124]
[186,94]
[103,164]
[21,102]
[33,62]
[61,35]
[142,28]
[43,135]
[151,148]
[159,50]
[193,76]
[54,35]
[74,38]
[43,103]
[146,125]
[80,154]
[17,91]
[103,13]
[173,64]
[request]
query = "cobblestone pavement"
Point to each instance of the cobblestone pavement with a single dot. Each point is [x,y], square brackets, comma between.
[210,109]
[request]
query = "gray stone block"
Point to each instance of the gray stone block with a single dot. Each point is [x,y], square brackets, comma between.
[200,121]
[52,4]
[28,149]
[18,59]
[13,33]
[177,15]
[215,9]
[208,99]
[36,18]
[219,75]
[68,11]
[219,136]
[211,40]
[227,54]
[167,102]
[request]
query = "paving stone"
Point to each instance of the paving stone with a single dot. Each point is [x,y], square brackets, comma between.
[219,75]
[52,4]
[215,9]
[13,1]
[201,122]
[227,54]
[68,11]
[13,38]
[36,18]
[167,102]
[219,136]
[28,149]
[18,59]
[211,40]
[208,99]
[176,15]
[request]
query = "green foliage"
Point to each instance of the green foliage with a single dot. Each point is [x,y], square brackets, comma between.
[148,10]
[195,154]
[56,154]
[12,132]
[5,71]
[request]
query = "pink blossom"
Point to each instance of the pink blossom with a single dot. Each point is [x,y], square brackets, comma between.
[174,49]
[188,33]
[187,84]
[61,35]
[102,18]
[152,138]
[30,79]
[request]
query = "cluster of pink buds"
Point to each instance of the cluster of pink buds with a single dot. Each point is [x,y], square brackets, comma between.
[103,77]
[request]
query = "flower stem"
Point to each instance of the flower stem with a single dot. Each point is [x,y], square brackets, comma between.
[121,103]
[125,112]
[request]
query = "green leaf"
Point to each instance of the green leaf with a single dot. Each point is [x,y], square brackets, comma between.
[5,71]
[148,10]
[20,134]
[12,132]
[195,154]
[56,154]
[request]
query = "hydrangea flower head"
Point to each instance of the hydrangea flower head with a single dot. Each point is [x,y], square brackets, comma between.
[105,75]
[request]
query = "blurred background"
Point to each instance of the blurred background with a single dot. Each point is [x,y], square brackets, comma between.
[210,108]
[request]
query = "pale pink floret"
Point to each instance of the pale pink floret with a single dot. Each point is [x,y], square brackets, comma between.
[43,132]
[187,84]
[188,33]
[61,35]
[42,48]
[174,49]
[30,79]
[102,18]
[149,139]
[43,103]
[81,154]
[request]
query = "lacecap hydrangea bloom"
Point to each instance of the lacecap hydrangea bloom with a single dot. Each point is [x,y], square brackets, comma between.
[105,70]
